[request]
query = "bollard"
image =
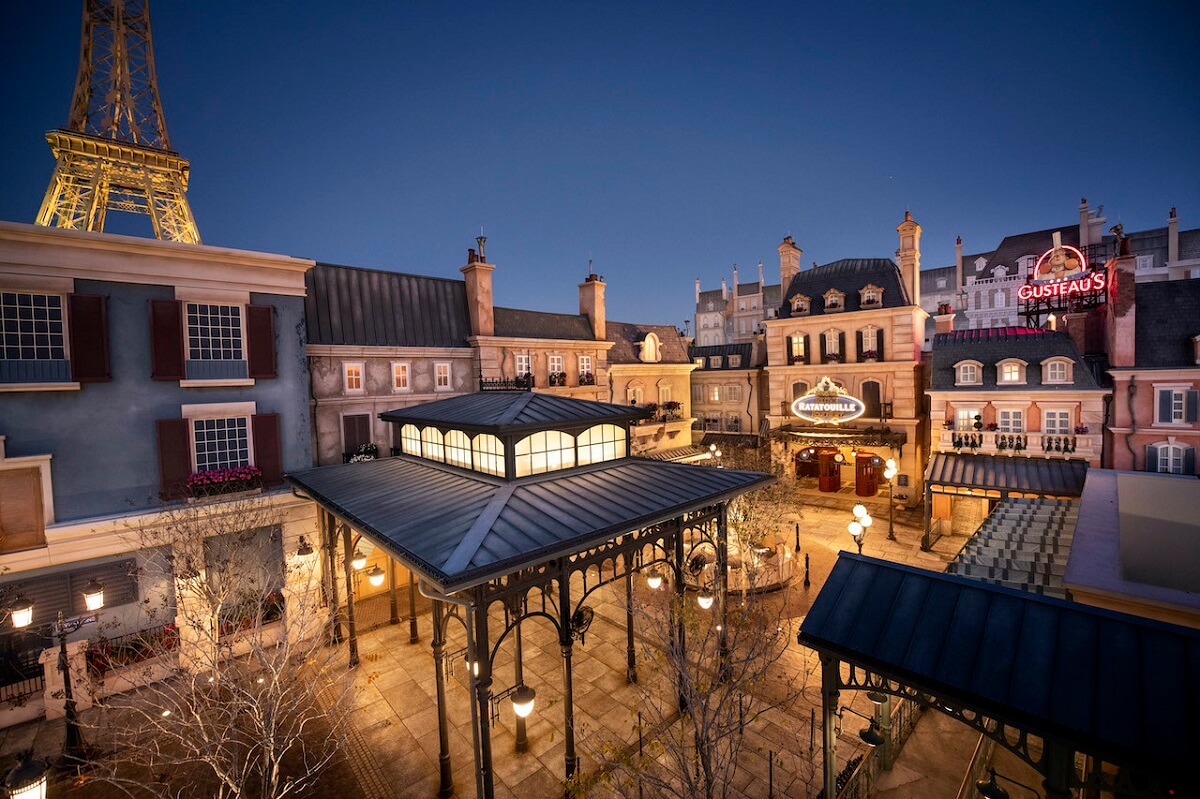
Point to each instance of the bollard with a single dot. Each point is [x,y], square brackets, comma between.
[806,580]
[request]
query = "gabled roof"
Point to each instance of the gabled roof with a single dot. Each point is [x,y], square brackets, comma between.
[1049,476]
[519,323]
[371,307]
[458,528]
[990,345]
[1118,687]
[1168,315]
[746,351]
[627,335]
[502,412]
[848,276]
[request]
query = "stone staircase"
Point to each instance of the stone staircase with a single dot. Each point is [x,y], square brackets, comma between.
[1023,544]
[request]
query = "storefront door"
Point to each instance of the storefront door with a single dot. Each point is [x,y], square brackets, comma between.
[829,473]
[866,475]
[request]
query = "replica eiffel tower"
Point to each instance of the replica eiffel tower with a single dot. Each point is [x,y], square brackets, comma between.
[114,152]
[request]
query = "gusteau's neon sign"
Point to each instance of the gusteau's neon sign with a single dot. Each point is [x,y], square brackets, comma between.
[1089,283]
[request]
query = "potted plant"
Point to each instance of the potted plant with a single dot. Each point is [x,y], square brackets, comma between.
[1001,443]
[558,378]
[992,427]
[653,408]
[1018,445]
[870,356]
[365,452]
[587,379]
[799,359]
[978,423]
[217,482]
[833,357]
[948,424]
[1081,429]
[672,410]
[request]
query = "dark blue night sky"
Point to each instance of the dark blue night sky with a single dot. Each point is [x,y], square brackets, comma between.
[666,141]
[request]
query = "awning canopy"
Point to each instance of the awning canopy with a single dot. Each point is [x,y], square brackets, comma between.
[1050,476]
[458,528]
[833,436]
[1115,686]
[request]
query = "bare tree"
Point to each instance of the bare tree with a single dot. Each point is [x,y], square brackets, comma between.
[228,689]
[695,707]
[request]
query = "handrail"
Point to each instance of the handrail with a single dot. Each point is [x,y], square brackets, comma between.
[981,760]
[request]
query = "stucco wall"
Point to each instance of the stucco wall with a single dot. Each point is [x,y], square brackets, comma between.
[103,438]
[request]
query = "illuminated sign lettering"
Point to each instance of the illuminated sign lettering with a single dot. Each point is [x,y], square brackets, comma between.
[826,403]
[1091,282]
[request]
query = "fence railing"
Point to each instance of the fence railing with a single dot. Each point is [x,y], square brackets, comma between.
[106,654]
[980,761]
[22,676]
[861,782]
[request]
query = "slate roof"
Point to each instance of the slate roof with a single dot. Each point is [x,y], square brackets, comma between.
[989,345]
[929,278]
[1052,476]
[715,296]
[519,323]
[1012,248]
[1168,315]
[772,295]
[1189,244]
[747,289]
[848,275]
[1112,685]
[372,307]
[459,528]
[724,350]
[627,335]
[502,412]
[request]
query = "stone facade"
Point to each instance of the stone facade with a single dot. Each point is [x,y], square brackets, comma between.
[729,388]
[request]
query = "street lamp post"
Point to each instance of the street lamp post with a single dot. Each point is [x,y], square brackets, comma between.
[889,473]
[858,527]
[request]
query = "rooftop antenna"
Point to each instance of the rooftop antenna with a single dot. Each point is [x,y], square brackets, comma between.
[480,240]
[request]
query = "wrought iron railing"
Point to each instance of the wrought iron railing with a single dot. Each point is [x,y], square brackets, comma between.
[106,654]
[980,761]
[21,676]
[518,383]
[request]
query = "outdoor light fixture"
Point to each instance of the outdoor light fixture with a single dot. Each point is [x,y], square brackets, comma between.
[876,698]
[376,575]
[22,611]
[870,735]
[522,700]
[890,463]
[27,780]
[860,510]
[305,549]
[705,599]
[165,713]
[472,665]
[654,579]
[93,596]
[856,529]
[865,520]
[358,560]
[990,789]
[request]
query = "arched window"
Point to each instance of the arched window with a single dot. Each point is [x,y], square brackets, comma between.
[604,442]
[651,349]
[968,373]
[431,444]
[664,392]
[870,398]
[633,393]
[489,454]
[410,439]
[547,451]
[458,449]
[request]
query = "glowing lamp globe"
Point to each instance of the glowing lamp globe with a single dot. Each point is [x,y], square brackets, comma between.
[376,576]
[705,599]
[93,596]
[860,511]
[358,560]
[654,579]
[888,474]
[27,780]
[865,520]
[855,529]
[522,701]
[22,612]
[890,463]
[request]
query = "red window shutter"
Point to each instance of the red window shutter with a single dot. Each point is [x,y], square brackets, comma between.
[174,457]
[267,455]
[166,340]
[87,321]
[260,339]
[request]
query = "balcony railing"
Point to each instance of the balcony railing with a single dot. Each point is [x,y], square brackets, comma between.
[519,383]
[21,676]
[126,650]
[1084,446]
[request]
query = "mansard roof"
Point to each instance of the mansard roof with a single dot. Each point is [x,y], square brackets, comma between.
[990,345]
[746,351]
[1168,315]
[627,335]
[849,276]
[519,323]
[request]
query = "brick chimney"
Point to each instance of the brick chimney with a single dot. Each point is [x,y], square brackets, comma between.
[909,255]
[943,320]
[1121,310]
[591,302]
[789,262]
[1172,237]
[479,293]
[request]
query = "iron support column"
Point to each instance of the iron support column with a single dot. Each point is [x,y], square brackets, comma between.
[630,651]
[830,678]
[446,787]
[723,594]
[329,544]
[926,536]
[482,661]
[1058,769]
[565,638]
[883,713]
[393,596]
[73,739]
[519,676]
[680,598]
[348,568]
[891,511]
[413,635]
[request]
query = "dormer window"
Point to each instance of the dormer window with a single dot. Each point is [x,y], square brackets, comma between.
[871,296]
[714,362]
[1010,372]
[735,361]
[834,300]
[1056,371]
[699,362]
[800,304]
[651,349]
[968,373]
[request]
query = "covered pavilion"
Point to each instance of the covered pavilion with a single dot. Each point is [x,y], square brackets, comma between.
[529,502]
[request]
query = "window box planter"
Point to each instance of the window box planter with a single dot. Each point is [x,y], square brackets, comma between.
[799,359]
[587,379]
[224,482]
[992,427]
[833,357]
[1081,429]
[870,356]
[671,410]
[361,453]
[948,424]
[558,378]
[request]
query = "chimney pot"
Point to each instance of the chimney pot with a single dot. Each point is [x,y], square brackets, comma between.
[472,258]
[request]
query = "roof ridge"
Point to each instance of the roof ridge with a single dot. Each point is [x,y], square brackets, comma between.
[516,408]
[461,557]
[390,272]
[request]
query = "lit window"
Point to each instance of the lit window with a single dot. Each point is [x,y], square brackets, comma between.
[547,451]
[798,352]
[714,362]
[31,327]
[1012,421]
[556,364]
[352,378]
[604,442]
[400,377]
[968,374]
[489,454]
[432,447]
[458,449]
[699,362]
[1010,373]
[441,373]
[964,419]
[1056,423]
[214,332]
[1056,372]
[410,439]
[524,365]
[221,443]
[714,393]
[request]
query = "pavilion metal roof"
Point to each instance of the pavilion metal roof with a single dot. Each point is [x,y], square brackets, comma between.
[1116,686]
[1054,476]
[513,411]
[458,528]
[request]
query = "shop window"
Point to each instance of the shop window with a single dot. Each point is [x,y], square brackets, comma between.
[547,451]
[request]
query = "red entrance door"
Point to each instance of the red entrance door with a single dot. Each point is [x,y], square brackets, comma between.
[806,467]
[866,475]
[829,471]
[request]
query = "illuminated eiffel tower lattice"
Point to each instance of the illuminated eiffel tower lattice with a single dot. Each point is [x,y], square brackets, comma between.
[114,152]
